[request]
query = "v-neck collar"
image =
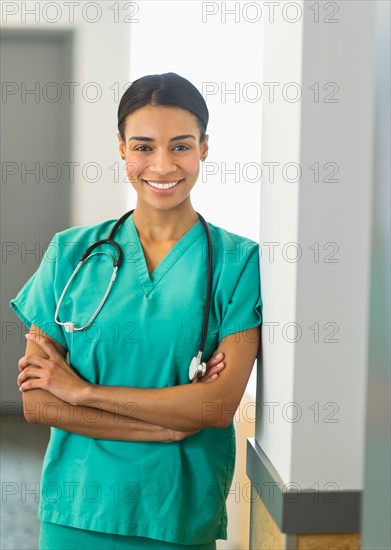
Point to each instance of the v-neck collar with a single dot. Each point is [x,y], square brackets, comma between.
[149,281]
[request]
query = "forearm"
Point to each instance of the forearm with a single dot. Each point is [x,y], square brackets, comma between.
[186,407]
[183,408]
[41,407]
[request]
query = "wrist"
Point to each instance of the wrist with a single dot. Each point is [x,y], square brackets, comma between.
[85,395]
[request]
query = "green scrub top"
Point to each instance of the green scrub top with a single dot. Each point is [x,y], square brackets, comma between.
[145,336]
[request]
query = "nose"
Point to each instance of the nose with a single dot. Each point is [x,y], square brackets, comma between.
[163,162]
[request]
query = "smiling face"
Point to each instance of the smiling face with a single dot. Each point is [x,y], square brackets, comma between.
[162,150]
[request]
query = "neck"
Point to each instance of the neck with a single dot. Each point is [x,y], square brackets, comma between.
[164,225]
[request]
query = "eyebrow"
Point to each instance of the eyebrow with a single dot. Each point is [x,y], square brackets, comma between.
[176,138]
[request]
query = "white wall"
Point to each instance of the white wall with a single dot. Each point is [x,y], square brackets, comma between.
[279,222]
[324,374]
[198,45]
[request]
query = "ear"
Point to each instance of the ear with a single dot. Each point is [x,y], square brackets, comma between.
[121,147]
[204,148]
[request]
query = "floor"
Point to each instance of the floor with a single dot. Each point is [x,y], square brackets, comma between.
[22,450]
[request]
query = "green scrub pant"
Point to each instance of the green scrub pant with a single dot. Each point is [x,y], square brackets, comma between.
[61,537]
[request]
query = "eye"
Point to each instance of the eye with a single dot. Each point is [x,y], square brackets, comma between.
[142,148]
[181,148]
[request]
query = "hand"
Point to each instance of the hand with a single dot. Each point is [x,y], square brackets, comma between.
[53,373]
[213,367]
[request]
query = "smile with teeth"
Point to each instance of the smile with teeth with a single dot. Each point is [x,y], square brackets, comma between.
[167,185]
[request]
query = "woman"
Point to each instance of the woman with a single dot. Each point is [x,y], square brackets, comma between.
[139,457]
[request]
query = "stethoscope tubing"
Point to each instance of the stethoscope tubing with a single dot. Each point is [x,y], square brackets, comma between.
[72,327]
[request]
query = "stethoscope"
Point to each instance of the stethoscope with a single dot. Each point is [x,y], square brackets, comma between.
[197,368]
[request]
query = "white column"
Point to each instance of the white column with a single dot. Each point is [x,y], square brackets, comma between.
[316,288]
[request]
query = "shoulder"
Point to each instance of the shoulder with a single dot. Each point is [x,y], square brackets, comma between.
[86,233]
[228,245]
[69,245]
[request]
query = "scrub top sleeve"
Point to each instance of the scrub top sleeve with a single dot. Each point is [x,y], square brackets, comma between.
[36,302]
[244,309]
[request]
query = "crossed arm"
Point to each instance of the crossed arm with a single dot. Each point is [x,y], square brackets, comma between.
[136,414]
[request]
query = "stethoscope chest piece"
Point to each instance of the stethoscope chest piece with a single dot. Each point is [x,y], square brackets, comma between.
[197,369]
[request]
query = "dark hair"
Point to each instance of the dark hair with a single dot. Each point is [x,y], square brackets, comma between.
[168,89]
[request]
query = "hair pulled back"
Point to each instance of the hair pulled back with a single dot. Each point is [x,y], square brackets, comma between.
[168,89]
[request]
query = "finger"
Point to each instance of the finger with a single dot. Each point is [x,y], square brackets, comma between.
[22,364]
[216,369]
[211,378]
[32,384]
[22,368]
[43,343]
[215,359]
[214,373]
[35,360]
[29,372]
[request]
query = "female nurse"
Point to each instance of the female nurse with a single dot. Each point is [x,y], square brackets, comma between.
[138,456]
